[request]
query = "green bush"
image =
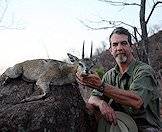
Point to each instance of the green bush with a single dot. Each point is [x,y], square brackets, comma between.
[100,71]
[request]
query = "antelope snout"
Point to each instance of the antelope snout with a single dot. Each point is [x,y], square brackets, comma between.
[87,71]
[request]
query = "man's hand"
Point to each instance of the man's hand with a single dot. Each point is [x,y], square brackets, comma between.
[107,112]
[92,80]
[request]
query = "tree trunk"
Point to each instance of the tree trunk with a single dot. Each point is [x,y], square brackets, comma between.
[144,35]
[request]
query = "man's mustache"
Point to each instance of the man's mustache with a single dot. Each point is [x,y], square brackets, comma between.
[120,53]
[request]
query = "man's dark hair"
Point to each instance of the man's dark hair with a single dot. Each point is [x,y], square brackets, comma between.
[121,30]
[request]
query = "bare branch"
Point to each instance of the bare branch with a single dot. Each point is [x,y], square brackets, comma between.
[96,28]
[4,11]
[112,23]
[155,4]
[153,1]
[117,3]
[8,27]
[2,15]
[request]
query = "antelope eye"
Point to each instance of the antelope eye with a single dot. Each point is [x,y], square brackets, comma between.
[80,64]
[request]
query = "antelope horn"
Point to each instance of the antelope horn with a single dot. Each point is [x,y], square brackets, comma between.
[83,50]
[91,49]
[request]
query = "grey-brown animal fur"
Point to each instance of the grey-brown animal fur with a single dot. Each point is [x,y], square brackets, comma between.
[47,71]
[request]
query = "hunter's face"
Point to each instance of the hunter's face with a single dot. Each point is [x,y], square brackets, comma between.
[120,48]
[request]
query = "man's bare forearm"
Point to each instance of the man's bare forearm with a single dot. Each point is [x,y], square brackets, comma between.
[128,98]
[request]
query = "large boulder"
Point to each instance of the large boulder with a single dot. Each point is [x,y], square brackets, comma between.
[64,110]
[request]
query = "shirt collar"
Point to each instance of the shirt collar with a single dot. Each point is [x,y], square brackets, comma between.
[130,67]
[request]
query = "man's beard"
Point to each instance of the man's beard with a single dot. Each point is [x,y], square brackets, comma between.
[121,58]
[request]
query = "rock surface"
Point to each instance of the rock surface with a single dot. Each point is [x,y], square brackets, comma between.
[64,110]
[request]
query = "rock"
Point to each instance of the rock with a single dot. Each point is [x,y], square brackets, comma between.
[64,110]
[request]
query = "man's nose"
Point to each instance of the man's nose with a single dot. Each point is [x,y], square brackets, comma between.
[119,47]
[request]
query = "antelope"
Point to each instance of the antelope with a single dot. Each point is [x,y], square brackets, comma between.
[49,71]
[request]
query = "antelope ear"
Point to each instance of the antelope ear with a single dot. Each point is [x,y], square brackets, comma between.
[72,58]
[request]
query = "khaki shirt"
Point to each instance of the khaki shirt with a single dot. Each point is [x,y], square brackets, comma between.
[141,79]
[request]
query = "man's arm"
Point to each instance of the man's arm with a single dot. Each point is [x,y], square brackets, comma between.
[125,97]
[107,112]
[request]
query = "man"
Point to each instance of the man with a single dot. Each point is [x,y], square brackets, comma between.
[131,85]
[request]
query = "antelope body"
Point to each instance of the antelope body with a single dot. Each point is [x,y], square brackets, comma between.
[48,71]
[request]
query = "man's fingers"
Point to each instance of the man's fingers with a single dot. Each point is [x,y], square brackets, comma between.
[114,118]
[110,115]
[85,82]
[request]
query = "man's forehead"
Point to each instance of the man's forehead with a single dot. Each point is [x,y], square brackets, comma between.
[118,38]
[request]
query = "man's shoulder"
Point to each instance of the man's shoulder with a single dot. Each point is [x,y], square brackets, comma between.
[143,66]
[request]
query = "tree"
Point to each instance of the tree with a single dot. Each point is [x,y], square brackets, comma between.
[99,50]
[3,15]
[3,9]
[139,34]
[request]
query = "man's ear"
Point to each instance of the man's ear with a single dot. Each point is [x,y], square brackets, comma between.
[110,50]
[72,58]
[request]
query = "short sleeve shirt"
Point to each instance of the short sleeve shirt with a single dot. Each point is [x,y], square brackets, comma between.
[141,79]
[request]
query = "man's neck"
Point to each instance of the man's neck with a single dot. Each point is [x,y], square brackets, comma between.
[123,67]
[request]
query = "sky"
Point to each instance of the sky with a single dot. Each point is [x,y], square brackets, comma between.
[51,28]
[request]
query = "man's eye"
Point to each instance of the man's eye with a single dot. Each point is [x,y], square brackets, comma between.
[115,44]
[124,42]
[80,64]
